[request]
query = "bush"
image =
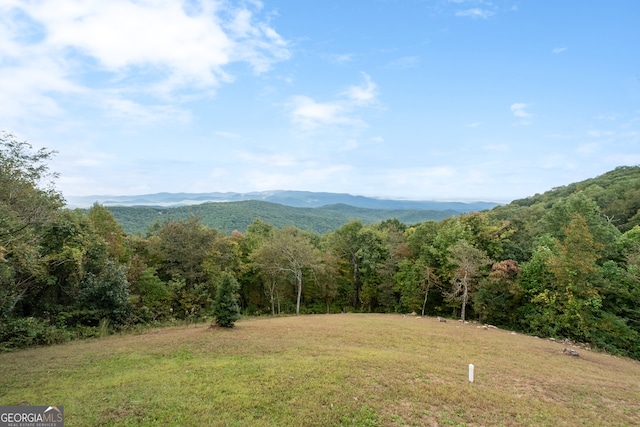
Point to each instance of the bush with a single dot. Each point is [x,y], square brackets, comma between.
[24,332]
[225,307]
[105,296]
[613,335]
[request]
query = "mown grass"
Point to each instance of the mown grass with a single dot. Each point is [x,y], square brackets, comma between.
[324,370]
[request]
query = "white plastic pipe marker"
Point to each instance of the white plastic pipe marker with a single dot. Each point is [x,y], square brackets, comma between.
[471,368]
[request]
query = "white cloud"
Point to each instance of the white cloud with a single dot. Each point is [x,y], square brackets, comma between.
[475,13]
[423,183]
[404,62]
[132,111]
[341,58]
[307,179]
[474,125]
[607,117]
[600,134]
[29,89]
[519,110]
[349,145]
[132,46]
[559,50]
[308,114]
[587,149]
[557,161]
[424,175]
[363,94]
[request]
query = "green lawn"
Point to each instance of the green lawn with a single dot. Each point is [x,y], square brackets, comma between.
[324,370]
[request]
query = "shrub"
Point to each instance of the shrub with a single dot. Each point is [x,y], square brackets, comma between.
[23,332]
[225,307]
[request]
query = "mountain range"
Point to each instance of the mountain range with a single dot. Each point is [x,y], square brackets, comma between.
[616,193]
[298,199]
[307,210]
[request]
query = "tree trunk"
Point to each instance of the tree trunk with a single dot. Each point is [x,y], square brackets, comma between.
[465,296]
[299,279]
[424,304]
[356,286]
[272,298]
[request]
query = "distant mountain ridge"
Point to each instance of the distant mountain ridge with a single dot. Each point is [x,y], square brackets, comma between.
[298,199]
[230,216]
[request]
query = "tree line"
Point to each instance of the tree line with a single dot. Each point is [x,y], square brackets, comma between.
[563,266]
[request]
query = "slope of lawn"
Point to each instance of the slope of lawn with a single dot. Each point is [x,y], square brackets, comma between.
[324,370]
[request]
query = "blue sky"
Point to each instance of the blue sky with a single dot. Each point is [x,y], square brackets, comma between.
[421,99]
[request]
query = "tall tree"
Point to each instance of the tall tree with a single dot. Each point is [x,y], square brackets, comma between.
[563,212]
[362,250]
[179,248]
[417,273]
[327,279]
[562,280]
[499,296]
[416,278]
[468,263]
[28,201]
[106,226]
[288,252]
[72,250]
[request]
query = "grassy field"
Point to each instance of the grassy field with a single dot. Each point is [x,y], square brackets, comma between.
[325,370]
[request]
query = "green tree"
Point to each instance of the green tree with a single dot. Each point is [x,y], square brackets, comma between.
[189,257]
[418,273]
[602,232]
[106,226]
[415,279]
[179,248]
[225,306]
[562,280]
[576,274]
[28,202]
[391,253]
[105,296]
[361,250]
[499,296]
[326,277]
[468,263]
[151,296]
[72,250]
[288,253]
[254,285]
[449,233]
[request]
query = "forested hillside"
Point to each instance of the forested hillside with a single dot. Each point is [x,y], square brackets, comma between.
[230,216]
[617,194]
[563,264]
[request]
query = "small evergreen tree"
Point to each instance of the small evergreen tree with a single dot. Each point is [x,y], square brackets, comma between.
[225,307]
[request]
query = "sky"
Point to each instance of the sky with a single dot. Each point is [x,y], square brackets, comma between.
[468,100]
